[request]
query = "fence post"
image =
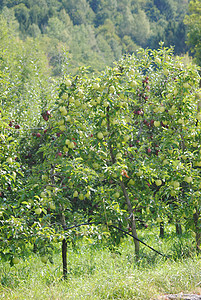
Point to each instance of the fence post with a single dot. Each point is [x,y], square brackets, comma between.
[64,258]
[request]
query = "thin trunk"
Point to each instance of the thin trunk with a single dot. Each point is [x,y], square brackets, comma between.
[64,258]
[162,230]
[64,244]
[178,228]
[132,217]
[130,209]
[197,231]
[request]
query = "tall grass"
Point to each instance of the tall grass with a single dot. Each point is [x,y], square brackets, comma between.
[95,272]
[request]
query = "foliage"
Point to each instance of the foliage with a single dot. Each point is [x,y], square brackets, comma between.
[194,29]
[119,148]
[98,33]
[126,141]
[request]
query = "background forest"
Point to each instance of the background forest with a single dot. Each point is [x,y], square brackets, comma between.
[96,33]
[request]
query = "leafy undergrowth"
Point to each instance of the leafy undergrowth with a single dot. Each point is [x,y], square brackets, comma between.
[94,272]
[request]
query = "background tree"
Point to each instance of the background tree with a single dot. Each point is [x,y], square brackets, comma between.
[194,24]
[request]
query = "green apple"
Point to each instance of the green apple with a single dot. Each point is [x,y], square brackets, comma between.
[173,193]
[158,182]
[126,138]
[65,149]
[62,127]
[105,103]
[133,83]
[119,155]
[131,72]
[93,102]
[75,194]
[83,106]
[71,99]
[186,85]
[131,182]
[61,122]
[77,103]
[64,97]
[157,123]
[176,184]
[181,121]
[52,206]
[158,219]
[96,165]
[38,211]
[188,179]
[198,116]
[98,100]
[100,135]
[116,195]
[139,173]
[15,260]
[166,72]
[165,162]
[104,122]
[45,177]
[157,60]
[195,144]
[63,110]
[43,195]
[71,145]
[161,109]
[9,160]
[87,195]
[112,89]
[96,86]
[44,259]
[184,157]
[80,93]
[81,196]
[68,83]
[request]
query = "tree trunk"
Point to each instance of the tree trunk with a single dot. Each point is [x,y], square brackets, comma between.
[132,217]
[197,231]
[178,228]
[64,244]
[162,230]
[64,258]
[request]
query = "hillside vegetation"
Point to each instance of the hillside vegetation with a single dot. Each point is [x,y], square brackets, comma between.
[96,33]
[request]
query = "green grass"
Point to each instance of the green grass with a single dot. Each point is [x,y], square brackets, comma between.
[95,272]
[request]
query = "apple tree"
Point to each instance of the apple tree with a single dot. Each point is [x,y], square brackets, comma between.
[122,145]
[14,229]
[139,123]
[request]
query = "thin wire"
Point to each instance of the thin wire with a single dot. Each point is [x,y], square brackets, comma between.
[125,232]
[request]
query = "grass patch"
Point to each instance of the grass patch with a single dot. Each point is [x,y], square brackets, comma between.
[94,272]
